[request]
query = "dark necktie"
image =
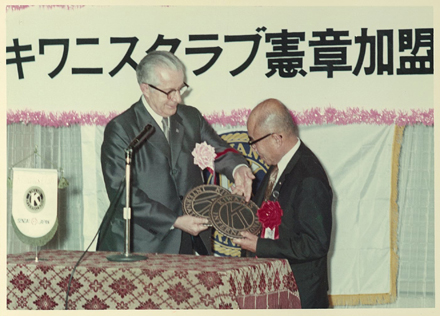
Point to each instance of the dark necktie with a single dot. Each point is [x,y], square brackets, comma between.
[166,128]
[271,184]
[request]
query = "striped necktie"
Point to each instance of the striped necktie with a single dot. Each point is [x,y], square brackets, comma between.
[166,128]
[271,184]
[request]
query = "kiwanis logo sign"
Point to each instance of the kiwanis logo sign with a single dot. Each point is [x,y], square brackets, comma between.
[239,141]
[34,205]
[34,199]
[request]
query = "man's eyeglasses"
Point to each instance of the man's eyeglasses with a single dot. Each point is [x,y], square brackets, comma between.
[171,94]
[253,142]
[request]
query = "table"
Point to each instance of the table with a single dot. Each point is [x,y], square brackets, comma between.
[163,281]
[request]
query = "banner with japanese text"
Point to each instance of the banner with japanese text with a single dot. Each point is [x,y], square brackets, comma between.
[81,59]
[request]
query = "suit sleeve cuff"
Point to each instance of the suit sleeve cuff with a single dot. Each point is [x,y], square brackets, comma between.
[238,166]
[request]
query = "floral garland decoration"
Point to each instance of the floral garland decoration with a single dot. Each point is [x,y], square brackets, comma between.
[317,116]
[62,119]
[24,7]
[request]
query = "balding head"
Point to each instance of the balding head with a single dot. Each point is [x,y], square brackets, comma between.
[272,116]
[272,130]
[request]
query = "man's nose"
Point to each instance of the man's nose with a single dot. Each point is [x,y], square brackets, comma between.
[176,97]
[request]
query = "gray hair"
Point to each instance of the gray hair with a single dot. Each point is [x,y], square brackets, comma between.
[146,69]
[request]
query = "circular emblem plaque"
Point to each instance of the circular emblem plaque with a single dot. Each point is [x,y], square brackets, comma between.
[230,214]
[35,199]
[198,201]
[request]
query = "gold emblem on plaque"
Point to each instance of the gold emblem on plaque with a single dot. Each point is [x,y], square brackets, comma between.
[230,215]
[198,201]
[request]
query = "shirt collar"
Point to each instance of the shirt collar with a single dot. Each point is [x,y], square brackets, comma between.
[157,118]
[282,164]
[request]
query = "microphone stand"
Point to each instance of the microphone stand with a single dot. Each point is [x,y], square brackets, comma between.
[127,256]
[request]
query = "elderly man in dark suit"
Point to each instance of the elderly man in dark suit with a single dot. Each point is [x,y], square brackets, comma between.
[163,169]
[302,189]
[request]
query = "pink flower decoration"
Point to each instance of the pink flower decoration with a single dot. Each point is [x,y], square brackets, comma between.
[204,155]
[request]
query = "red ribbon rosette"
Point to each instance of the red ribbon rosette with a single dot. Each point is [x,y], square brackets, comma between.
[269,215]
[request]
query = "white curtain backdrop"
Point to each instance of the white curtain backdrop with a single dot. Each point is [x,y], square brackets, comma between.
[95,196]
[416,277]
[358,161]
[76,150]
[34,146]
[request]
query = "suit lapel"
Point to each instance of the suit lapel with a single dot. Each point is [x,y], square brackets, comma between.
[289,168]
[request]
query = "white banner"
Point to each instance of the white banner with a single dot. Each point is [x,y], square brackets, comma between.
[82,58]
[35,201]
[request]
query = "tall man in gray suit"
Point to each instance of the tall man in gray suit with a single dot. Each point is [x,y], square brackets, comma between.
[302,189]
[163,168]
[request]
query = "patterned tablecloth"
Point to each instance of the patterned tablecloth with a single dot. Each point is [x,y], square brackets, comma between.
[160,282]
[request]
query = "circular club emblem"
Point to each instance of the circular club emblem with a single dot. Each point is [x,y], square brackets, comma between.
[34,199]
[198,201]
[231,214]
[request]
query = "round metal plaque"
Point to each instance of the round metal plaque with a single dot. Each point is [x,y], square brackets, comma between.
[230,215]
[198,201]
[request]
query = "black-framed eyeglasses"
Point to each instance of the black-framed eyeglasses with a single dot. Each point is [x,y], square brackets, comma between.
[171,94]
[253,142]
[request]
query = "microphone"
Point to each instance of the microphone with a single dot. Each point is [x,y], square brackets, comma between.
[138,140]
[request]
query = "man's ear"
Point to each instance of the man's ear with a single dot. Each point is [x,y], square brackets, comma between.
[145,89]
[278,140]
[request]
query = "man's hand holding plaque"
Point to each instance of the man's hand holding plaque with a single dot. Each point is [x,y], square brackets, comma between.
[230,214]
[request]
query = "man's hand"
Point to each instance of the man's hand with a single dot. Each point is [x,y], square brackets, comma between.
[191,224]
[243,177]
[248,242]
